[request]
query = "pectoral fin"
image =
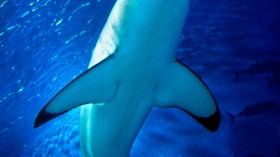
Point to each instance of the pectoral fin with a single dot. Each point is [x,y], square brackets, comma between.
[97,85]
[183,89]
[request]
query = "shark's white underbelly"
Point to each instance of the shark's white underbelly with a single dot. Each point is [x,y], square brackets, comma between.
[142,28]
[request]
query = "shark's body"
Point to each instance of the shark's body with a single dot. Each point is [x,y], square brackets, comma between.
[253,110]
[141,71]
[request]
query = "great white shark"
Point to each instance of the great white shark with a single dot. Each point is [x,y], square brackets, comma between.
[132,69]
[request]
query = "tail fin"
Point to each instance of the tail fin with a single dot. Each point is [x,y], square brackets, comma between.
[232,118]
[236,75]
[269,83]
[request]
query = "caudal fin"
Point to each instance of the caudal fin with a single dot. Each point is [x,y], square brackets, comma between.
[236,74]
[232,118]
[269,83]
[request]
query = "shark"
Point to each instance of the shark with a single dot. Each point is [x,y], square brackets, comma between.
[133,68]
[253,110]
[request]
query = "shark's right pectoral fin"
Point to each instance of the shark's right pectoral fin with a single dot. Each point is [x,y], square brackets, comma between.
[181,88]
[97,85]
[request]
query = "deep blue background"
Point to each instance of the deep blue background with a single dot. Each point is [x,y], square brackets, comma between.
[233,45]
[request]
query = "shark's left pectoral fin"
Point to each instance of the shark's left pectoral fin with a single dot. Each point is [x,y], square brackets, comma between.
[183,89]
[98,84]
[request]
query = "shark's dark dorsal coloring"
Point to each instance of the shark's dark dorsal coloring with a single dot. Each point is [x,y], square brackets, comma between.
[143,72]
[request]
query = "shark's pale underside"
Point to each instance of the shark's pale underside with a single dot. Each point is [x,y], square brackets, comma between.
[133,68]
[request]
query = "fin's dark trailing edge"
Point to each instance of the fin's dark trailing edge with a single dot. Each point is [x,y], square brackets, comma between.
[211,123]
[44,117]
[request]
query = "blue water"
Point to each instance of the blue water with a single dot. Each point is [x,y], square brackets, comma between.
[233,45]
